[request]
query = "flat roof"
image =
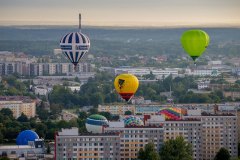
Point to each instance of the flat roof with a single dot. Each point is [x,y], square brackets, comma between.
[15,147]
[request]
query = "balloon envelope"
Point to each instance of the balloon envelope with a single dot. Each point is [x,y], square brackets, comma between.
[126,85]
[74,46]
[195,42]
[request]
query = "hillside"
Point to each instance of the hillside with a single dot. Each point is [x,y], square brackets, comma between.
[38,40]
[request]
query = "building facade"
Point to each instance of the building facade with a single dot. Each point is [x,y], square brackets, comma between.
[134,138]
[116,109]
[69,144]
[159,73]
[218,130]
[19,105]
[207,132]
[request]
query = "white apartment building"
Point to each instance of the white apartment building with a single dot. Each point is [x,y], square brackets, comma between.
[202,72]
[203,85]
[159,73]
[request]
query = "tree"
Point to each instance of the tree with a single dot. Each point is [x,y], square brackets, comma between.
[141,154]
[107,115]
[148,153]
[42,114]
[23,118]
[150,76]
[56,108]
[1,137]
[7,112]
[238,149]
[128,113]
[237,81]
[41,129]
[222,154]
[4,158]
[48,149]
[93,111]
[176,149]
[82,115]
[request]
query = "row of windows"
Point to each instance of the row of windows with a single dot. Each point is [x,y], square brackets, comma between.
[87,139]
[88,154]
[182,124]
[219,119]
[87,144]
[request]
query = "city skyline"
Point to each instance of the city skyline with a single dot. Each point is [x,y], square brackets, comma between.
[121,13]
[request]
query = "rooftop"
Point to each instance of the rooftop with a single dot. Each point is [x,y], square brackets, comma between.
[15,147]
[217,114]
[16,98]
[95,134]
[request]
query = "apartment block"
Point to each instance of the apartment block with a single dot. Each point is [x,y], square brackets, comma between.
[189,129]
[116,109]
[19,105]
[134,138]
[219,131]
[71,145]
[207,132]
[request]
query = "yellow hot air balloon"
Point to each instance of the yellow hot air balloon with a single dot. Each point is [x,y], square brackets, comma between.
[126,85]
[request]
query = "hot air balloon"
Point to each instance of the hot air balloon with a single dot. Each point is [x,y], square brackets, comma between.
[126,85]
[195,42]
[75,45]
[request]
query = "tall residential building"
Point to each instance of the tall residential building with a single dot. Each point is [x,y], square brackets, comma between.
[19,105]
[134,138]
[52,68]
[34,69]
[71,145]
[9,68]
[40,69]
[207,132]
[189,129]
[218,130]
[64,68]
[2,71]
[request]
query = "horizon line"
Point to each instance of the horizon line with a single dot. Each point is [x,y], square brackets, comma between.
[121,26]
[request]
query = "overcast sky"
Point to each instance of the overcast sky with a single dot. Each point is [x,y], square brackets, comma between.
[121,12]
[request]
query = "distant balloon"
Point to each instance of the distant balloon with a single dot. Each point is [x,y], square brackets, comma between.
[75,45]
[126,85]
[195,42]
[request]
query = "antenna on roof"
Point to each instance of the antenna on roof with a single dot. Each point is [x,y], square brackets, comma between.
[170,91]
[80,25]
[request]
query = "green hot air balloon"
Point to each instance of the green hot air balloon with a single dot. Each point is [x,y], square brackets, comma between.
[195,42]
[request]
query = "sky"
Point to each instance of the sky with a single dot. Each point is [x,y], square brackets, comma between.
[121,12]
